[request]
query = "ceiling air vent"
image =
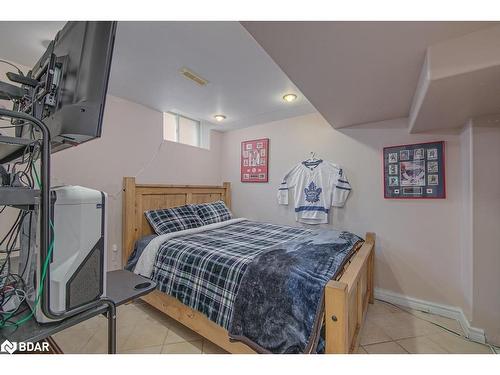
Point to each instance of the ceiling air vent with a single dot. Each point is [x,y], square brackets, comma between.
[189,74]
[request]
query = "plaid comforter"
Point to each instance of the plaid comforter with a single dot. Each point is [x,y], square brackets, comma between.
[204,270]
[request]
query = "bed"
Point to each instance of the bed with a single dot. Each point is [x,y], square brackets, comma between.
[346,297]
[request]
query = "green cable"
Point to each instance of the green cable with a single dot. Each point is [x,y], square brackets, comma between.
[40,291]
[36,177]
[42,278]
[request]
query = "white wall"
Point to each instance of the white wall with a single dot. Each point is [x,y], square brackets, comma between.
[485,157]
[132,145]
[418,244]
[467,219]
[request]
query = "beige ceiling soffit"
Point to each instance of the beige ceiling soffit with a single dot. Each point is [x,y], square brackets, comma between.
[460,79]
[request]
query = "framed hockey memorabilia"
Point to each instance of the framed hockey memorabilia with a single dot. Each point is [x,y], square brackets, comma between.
[255,160]
[415,171]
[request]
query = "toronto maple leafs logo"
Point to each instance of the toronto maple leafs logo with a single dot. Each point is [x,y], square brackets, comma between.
[312,193]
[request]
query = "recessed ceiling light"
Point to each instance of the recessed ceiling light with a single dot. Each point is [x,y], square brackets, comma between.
[289,97]
[220,118]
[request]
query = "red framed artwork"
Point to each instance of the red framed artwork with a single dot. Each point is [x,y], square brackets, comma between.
[255,160]
[415,171]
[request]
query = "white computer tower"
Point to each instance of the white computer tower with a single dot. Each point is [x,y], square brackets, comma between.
[78,261]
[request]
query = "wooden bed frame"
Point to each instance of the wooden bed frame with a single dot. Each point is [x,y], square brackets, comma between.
[346,299]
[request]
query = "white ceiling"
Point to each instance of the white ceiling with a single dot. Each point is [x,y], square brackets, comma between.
[244,82]
[25,42]
[355,72]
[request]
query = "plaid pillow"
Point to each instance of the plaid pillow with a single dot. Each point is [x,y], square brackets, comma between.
[174,219]
[213,212]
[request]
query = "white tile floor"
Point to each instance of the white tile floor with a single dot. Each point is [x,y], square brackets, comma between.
[388,329]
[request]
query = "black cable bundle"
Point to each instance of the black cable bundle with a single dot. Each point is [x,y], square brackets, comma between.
[13,284]
[24,176]
[10,282]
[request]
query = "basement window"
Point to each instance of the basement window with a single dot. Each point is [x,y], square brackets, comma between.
[181,129]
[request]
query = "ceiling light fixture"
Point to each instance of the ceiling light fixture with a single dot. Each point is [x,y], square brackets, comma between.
[289,97]
[220,118]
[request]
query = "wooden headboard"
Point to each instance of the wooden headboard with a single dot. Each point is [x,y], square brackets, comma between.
[138,198]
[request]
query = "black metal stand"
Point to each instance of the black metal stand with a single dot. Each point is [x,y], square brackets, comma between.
[121,287]
[45,237]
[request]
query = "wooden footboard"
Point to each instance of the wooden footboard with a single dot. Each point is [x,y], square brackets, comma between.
[196,321]
[346,299]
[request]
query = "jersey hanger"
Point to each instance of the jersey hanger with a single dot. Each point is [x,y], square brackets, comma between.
[312,156]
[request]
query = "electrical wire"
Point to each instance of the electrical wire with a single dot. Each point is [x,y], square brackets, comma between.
[10,294]
[27,175]
[5,270]
[29,246]
[40,289]
[116,194]
[4,322]
[17,283]
[30,154]
[11,238]
[9,63]
[491,347]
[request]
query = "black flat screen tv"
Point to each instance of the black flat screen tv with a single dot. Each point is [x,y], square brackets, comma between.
[73,76]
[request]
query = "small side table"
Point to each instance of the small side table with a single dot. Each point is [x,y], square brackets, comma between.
[121,287]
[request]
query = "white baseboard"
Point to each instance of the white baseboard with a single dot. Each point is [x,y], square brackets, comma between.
[452,312]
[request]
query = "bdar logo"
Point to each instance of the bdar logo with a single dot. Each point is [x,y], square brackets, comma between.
[8,347]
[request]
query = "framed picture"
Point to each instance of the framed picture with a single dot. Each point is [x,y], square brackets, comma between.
[393,157]
[404,155]
[412,173]
[418,154]
[415,171]
[254,160]
[393,169]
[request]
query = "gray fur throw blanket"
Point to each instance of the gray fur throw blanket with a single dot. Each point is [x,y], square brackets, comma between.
[279,303]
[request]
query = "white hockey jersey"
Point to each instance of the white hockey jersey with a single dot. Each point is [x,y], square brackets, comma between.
[317,185]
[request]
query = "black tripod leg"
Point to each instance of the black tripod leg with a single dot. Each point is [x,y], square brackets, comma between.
[111,328]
